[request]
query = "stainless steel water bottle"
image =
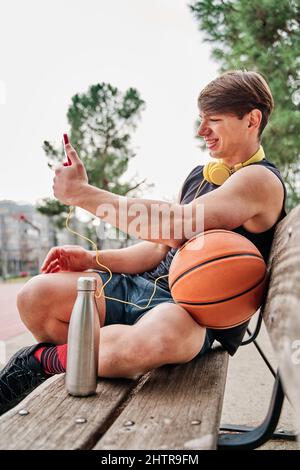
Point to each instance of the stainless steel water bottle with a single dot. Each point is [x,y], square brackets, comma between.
[83,341]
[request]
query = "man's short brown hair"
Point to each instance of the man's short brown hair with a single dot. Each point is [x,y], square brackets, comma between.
[238,93]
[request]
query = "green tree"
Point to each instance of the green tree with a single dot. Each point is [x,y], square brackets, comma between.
[263,35]
[101,121]
[57,213]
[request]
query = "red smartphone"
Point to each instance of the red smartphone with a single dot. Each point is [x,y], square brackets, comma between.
[65,142]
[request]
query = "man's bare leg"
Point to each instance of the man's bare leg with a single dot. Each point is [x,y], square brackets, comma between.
[166,334]
[45,304]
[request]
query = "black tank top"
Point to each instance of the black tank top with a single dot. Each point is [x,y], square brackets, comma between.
[231,337]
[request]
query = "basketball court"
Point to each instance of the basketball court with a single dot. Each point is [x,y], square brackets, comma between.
[10,323]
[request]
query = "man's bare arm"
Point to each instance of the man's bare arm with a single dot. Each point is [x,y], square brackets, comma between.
[135,259]
[252,191]
[141,257]
[243,196]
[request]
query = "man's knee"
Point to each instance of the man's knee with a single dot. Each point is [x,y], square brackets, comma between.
[168,347]
[176,337]
[181,347]
[33,299]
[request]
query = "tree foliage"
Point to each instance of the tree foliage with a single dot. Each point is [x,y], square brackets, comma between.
[54,209]
[263,35]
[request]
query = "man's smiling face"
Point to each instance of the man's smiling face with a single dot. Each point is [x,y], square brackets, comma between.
[224,134]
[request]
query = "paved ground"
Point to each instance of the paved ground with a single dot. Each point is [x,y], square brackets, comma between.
[248,391]
[249,383]
[10,323]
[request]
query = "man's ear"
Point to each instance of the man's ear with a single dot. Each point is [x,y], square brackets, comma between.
[254,119]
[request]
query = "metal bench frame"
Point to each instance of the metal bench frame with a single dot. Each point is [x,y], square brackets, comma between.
[246,437]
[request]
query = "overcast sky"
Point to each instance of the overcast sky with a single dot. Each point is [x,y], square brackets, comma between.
[51,50]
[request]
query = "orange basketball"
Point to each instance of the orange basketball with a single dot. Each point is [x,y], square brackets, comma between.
[218,276]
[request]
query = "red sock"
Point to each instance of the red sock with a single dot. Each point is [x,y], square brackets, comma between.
[53,359]
[38,353]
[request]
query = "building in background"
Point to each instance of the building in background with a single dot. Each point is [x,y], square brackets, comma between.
[26,237]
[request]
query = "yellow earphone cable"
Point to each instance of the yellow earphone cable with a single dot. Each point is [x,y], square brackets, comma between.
[100,293]
[199,188]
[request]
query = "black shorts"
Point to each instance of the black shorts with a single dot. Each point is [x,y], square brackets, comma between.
[136,289]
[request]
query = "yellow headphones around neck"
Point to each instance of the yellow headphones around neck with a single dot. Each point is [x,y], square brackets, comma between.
[218,172]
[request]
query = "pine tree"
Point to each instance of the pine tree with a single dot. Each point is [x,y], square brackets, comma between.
[263,35]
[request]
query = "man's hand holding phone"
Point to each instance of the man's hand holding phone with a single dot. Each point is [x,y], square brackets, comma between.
[70,177]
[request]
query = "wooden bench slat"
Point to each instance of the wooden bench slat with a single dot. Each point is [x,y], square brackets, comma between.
[52,413]
[282,307]
[168,407]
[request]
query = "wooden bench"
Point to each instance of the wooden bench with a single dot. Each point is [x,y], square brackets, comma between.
[175,406]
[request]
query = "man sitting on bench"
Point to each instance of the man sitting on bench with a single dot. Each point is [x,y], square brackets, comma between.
[234,110]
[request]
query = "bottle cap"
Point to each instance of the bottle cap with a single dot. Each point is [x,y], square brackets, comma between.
[86,283]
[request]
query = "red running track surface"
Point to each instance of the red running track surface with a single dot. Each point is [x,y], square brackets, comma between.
[10,322]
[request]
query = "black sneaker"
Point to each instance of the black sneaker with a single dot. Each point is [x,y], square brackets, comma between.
[21,375]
